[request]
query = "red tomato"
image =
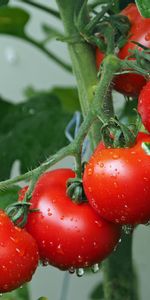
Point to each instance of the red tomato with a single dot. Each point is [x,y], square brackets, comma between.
[131,84]
[68,234]
[18,255]
[117,183]
[144,105]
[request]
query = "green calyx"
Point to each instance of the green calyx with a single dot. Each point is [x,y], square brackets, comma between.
[18,212]
[105,25]
[117,135]
[75,190]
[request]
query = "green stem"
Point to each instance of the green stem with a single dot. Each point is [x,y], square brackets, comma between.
[119,276]
[42,7]
[83,58]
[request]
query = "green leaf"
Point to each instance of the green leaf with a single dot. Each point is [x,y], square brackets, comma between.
[3,2]
[97,293]
[13,20]
[68,98]
[18,294]
[33,130]
[144,7]
[146,147]
[9,196]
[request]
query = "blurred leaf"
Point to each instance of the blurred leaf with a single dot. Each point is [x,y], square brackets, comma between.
[3,2]
[33,130]
[9,196]
[68,97]
[97,292]
[144,7]
[13,20]
[18,294]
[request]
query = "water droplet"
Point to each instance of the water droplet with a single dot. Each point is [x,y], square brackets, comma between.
[45,263]
[147,37]
[80,272]
[59,249]
[127,229]
[117,220]
[79,258]
[95,244]
[14,239]
[89,171]
[71,270]
[123,218]
[62,217]
[119,241]
[20,251]
[89,189]
[95,268]
[2,244]
[115,156]
[101,165]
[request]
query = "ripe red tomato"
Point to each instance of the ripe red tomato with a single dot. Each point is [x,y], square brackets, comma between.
[131,84]
[144,105]
[18,255]
[68,235]
[117,183]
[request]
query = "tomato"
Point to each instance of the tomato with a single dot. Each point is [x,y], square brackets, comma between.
[18,255]
[117,183]
[68,235]
[144,105]
[131,84]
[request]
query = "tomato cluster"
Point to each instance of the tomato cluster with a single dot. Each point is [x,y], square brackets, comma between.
[116,182]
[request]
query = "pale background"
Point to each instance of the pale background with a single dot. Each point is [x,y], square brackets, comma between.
[22,65]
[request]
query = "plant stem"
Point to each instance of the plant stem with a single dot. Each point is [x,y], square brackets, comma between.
[42,7]
[119,277]
[82,56]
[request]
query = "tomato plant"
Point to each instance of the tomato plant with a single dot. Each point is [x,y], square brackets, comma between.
[68,235]
[131,84]
[18,255]
[144,105]
[117,183]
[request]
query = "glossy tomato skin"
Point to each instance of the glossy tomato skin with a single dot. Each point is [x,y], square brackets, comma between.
[131,84]
[18,255]
[117,183]
[144,105]
[68,234]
